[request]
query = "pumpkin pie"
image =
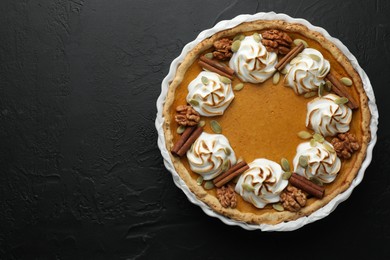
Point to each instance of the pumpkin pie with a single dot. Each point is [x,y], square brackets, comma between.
[266,122]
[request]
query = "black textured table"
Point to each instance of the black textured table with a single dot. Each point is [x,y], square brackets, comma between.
[81,175]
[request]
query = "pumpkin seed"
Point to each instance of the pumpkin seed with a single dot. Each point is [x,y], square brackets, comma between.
[180,129]
[248,187]
[209,55]
[228,151]
[216,127]
[310,94]
[298,41]
[202,123]
[303,161]
[328,85]
[276,78]
[315,57]
[304,135]
[194,102]
[225,165]
[285,164]
[313,143]
[346,81]
[315,180]
[329,147]
[204,80]
[319,138]
[323,72]
[239,86]
[284,71]
[235,45]
[321,90]
[278,207]
[208,185]
[341,100]
[286,175]
[239,37]
[256,37]
[225,80]
[199,181]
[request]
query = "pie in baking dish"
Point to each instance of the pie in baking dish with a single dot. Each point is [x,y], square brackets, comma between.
[266,122]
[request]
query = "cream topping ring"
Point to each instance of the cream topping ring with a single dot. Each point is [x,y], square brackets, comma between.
[285,226]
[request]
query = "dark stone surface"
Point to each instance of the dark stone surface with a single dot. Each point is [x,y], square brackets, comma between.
[81,175]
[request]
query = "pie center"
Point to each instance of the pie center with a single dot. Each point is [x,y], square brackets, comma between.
[265,122]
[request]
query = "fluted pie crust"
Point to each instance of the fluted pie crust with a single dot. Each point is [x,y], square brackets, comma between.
[246,212]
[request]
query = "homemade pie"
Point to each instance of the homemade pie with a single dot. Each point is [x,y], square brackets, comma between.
[266,122]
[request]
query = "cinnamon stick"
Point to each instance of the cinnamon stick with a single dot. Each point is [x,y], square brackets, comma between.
[217,65]
[289,56]
[310,183]
[342,90]
[229,171]
[192,138]
[213,69]
[227,176]
[183,138]
[306,185]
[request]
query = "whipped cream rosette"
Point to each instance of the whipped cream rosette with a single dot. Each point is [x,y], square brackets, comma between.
[210,94]
[326,117]
[262,183]
[252,62]
[210,155]
[321,159]
[306,71]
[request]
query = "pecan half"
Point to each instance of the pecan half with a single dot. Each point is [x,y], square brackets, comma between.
[276,41]
[292,198]
[345,145]
[186,116]
[223,49]
[227,196]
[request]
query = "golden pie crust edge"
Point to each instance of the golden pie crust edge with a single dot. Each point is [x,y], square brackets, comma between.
[274,217]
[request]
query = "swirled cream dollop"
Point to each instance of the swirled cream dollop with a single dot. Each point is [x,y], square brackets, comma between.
[210,155]
[252,62]
[326,117]
[262,183]
[322,162]
[306,71]
[211,95]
